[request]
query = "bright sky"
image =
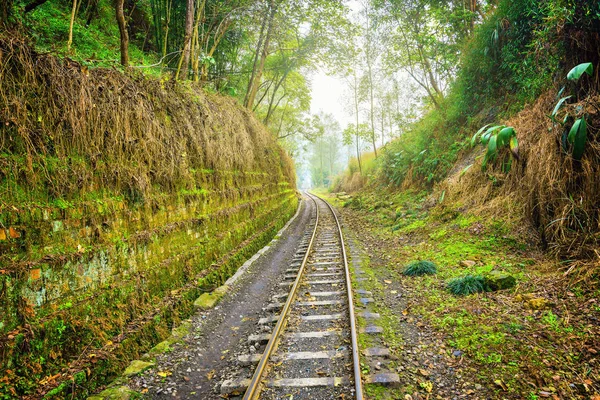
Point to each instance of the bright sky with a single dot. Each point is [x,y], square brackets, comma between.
[328,97]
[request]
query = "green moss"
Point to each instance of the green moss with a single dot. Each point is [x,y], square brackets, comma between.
[137,367]
[209,300]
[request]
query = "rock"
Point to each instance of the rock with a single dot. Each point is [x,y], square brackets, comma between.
[136,367]
[498,280]
[467,263]
[209,300]
[162,347]
[457,353]
[537,303]
[118,393]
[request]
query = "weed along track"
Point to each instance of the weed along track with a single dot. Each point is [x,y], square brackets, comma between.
[308,348]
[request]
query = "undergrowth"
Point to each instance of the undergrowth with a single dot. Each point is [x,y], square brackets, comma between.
[465,285]
[418,268]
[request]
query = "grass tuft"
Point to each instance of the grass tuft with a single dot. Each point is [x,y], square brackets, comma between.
[418,268]
[467,284]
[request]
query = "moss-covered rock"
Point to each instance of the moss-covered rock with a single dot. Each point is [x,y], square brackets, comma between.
[498,280]
[209,300]
[115,393]
[137,367]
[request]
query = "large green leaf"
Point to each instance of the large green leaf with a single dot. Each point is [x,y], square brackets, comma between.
[514,147]
[486,136]
[557,107]
[492,148]
[504,136]
[579,70]
[575,128]
[474,139]
[577,137]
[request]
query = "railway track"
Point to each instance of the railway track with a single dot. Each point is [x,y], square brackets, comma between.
[309,347]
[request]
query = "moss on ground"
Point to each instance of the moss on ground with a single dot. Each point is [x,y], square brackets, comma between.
[512,349]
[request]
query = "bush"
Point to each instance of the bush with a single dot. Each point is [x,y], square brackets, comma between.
[418,268]
[468,284]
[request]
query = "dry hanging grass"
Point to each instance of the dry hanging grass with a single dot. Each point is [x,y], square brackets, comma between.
[558,194]
[66,130]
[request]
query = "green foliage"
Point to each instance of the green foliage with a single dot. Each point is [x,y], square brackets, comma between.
[510,60]
[421,267]
[466,285]
[577,71]
[496,138]
[577,136]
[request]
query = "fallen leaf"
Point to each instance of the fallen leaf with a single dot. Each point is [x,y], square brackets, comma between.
[164,373]
[387,281]
[13,233]
[501,384]
[210,374]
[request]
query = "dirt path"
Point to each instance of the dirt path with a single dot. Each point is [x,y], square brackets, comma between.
[195,368]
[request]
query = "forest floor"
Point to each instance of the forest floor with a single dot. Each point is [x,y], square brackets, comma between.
[539,339]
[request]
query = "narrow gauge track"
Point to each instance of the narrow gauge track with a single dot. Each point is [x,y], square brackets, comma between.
[312,352]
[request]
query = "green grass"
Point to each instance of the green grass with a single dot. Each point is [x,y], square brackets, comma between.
[418,268]
[466,285]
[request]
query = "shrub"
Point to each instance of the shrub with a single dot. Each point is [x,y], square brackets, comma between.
[468,284]
[422,267]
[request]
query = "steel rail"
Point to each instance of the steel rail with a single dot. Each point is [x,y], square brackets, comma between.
[354,337]
[252,390]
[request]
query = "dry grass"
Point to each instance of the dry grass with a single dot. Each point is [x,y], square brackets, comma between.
[70,130]
[558,195]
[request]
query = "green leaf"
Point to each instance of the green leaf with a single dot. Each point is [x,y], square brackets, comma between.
[576,127]
[486,136]
[579,70]
[514,147]
[474,139]
[492,148]
[577,137]
[464,171]
[504,136]
[557,107]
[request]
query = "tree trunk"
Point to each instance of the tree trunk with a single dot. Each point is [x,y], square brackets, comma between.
[73,12]
[195,60]
[251,95]
[122,32]
[166,28]
[184,60]
[356,112]
[382,127]
[255,63]
[371,108]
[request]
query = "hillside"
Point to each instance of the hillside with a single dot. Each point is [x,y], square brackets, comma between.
[123,199]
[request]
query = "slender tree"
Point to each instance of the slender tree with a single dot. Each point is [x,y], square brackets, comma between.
[120,15]
[263,49]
